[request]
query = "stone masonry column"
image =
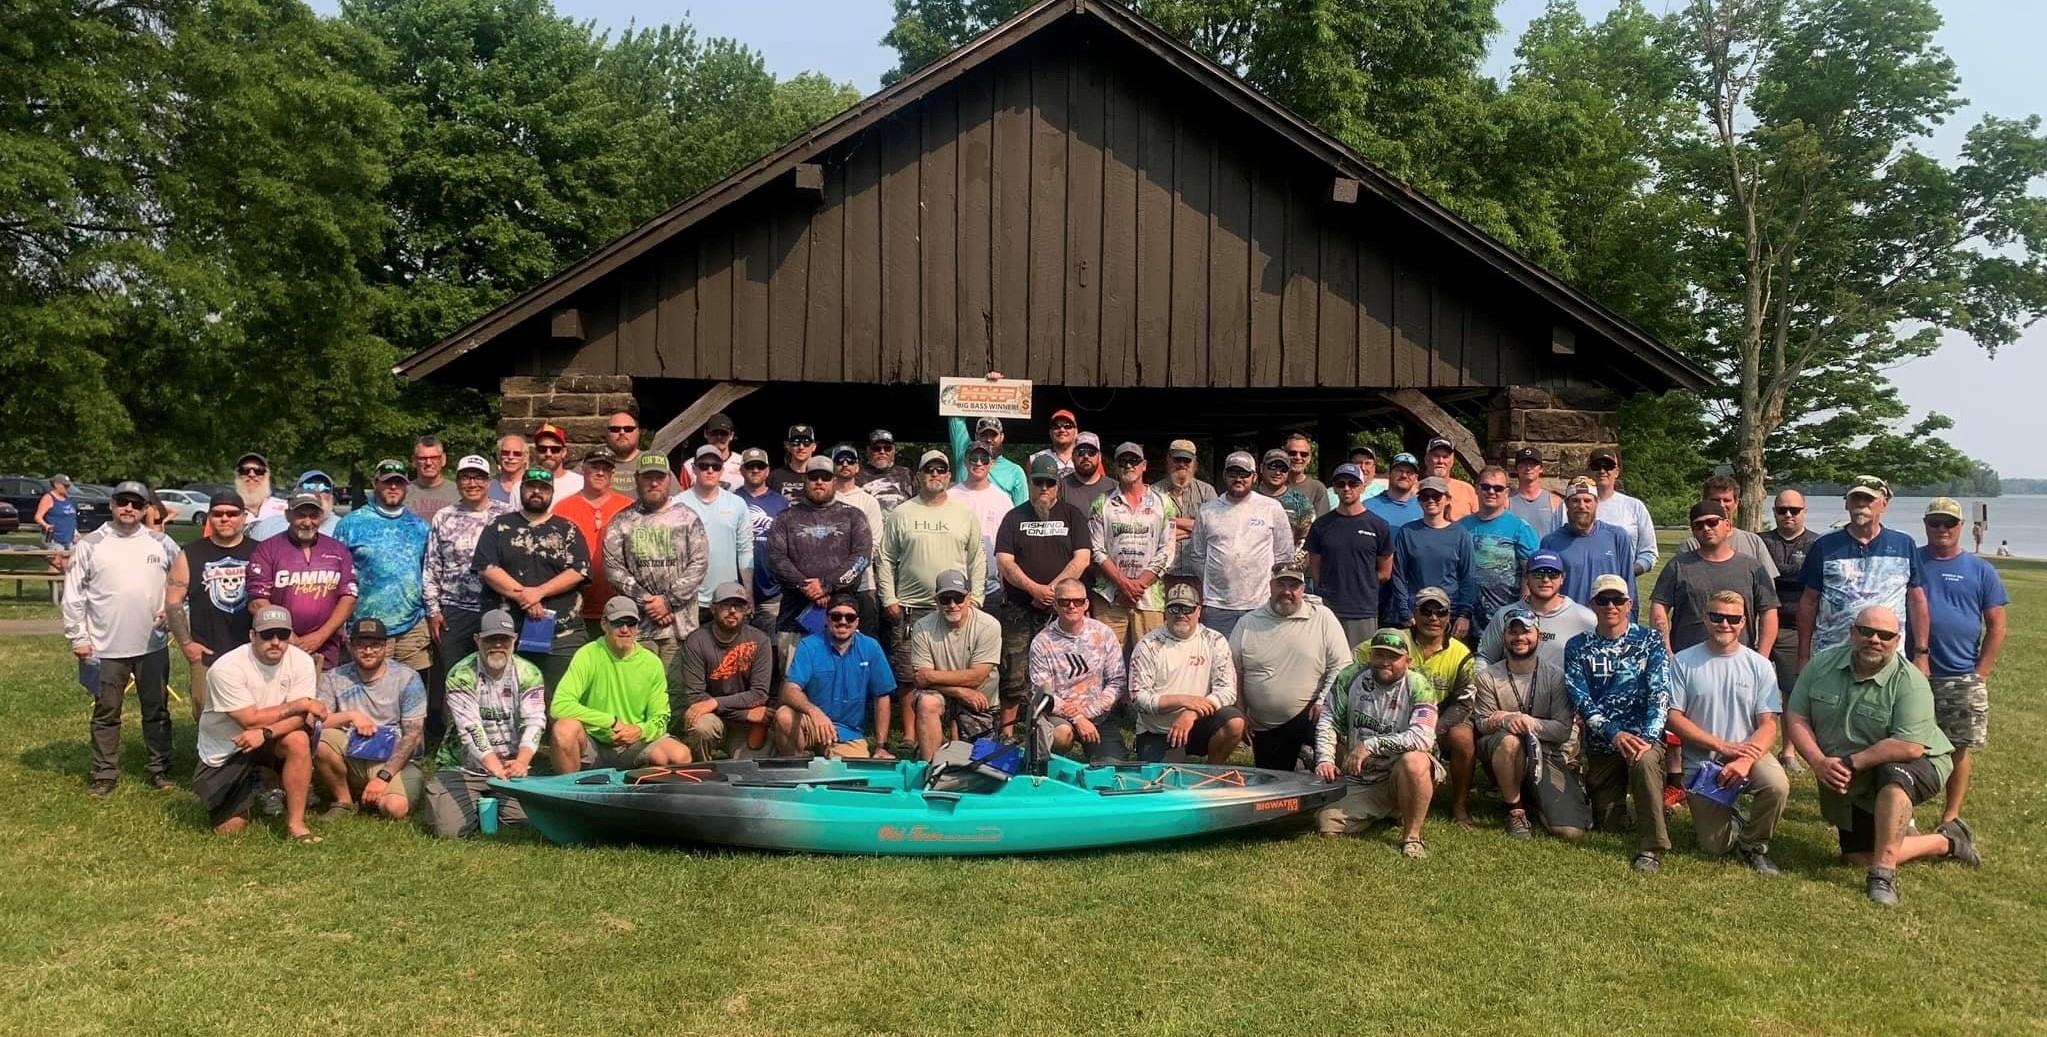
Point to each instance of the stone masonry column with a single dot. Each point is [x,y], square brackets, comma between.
[579,403]
[1566,424]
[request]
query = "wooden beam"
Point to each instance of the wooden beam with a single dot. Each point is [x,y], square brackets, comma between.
[716,398]
[1426,413]
[809,180]
[567,323]
[1344,190]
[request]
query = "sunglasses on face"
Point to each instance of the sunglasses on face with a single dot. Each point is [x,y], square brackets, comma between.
[1429,498]
[130,502]
[1942,523]
[1787,511]
[979,459]
[802,441]
[1086,451]
[1604,466]
[818,477]
[1235,473]
[1179,610]
[1546,574]
[274,635]
[1346,484]
[1129,462]
[1063,426]
[951,600]
[511,453]
[1431,610]
[626,623]
[1724,619]
[753,466]
[1492,487]
[621,428]
[843,618]
[845,459]
[708,466]
[936,469]
[252,470]
[1297,453]
[1706,523]
[1609,601]
[1071,603]
[225,513]
[881,447]
[1277,466]
[1886,636]
[1044,484]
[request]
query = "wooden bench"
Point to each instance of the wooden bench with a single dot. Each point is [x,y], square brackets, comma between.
[55,581]
[49,577]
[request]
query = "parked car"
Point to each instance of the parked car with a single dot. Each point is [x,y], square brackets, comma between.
[185,505]
[26,492]
[204,491]
[10,518]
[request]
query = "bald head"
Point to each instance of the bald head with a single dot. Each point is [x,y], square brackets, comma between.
[1789,511]
[1878,617]
[1873,639]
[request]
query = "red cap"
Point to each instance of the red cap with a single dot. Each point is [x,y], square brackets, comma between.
[551,429]
[1067,414]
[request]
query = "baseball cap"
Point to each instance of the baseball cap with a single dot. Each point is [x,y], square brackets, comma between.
[391,467]
[978,449]
[1288,571]
[988,425]
[472,463]
[496,623]
[1869,485]
[934,457]
[1434,484]
[1240,460]
[273,617]
[1064,413]
[1581,486]
[539,475]
[1434,594]
[130,488]
[1275,454]
[1528,455]
[951,581]
[1518,614]
[731,590]
[1604,454]
[1182,594]
[881,435]
[707,452]
[304,499]
[552,431]
[621,607]
[1363,450]
[719,422]
[1546,560]
[1438,443]
[1388,639]
[1129,449]
[1708,509]
[747,456]
[1405,458]
[1347,469]
[845,452]
[225,500]
[1088,439]
[601,455]
[818,463]
[315,477]
[1948,506]
[367,628]
[801,432]
[1611,584]
[652,462]
[1181,448]
[252,456]
[1044,466]
[60,479]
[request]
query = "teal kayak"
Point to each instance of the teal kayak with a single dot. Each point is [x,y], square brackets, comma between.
[899,807]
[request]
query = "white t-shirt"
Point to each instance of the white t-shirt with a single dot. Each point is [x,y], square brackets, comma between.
[238,680]
[1722,693]
[989,504]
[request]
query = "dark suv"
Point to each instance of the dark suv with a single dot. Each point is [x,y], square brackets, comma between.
[25,492]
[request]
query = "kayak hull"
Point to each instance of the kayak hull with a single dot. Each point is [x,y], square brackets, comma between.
[881,807]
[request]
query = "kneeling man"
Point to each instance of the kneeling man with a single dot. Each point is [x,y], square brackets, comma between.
[832,677]
[1724,707]
[382,704]
[1381,718]
[1863,719]
[1183,685]
[722,676]
[953,655]
[261,700]
[611,709]
[497,711]
[1077,663]
[1524,719]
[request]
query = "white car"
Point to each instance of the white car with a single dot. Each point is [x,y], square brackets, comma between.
[185,507]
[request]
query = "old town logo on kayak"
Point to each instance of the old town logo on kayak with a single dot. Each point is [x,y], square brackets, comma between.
[921,834]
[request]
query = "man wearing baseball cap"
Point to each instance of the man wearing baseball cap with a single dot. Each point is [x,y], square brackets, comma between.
[926,536]
[1239,538]
[1275,480]
[1180,486]
[1434,552]
[1589,546]
[1086,481]
[1377,730]
[1618,677]
[551,451]
[655,554]
[1397,504]
[591,511]
[252,484]
[1350,556]
[211,619]
[262,701]
[1064,430]
[798,446]
[1859,565]
[954,653]
[728,531]
[722,677]
[1131,531]
[497,712]
[1183,686]
[376,718]
[611,708]
[846,490]
[718,432]
[988,434]
[1287,652]
[537,566]
[1559,619]
[113,592]
[388,544]
[763,506]
[313,481]
[1439,458]
[454,593]
[312,575]
[1524,719]
[1530,500]
[886,481]
[1966,604]
[1624,511]
[819,547]
[1040,543]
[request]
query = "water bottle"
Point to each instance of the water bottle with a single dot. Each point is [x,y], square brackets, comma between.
[1531,746]
[487,815]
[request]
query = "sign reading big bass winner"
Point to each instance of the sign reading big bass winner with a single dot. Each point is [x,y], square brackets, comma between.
[981,398]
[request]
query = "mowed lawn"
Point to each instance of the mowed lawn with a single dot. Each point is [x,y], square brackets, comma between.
[129,917]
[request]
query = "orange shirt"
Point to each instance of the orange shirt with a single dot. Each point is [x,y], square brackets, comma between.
[592,520]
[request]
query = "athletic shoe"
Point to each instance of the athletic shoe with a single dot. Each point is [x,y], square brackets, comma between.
[271,802]
[1882,887]
[1518,826]
[1648,862]
[100,789]
[1758,861]
[162,783]
[1961,842]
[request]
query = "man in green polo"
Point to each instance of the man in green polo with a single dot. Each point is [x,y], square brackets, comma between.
[1863,720]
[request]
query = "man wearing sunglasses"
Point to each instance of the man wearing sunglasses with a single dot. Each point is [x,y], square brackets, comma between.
[551,451]
[1440,458]
[886,481]
[1180,486]
[1531,501]
[798,447]
[1275,474]
[1131,529]
[1859,565]
[1724,491]
[1183,686]
[1239,538]
[497,711]
[1788,542]
[431,489]
[1287,654]
[1501,545]
[925,537]
[313,481]
[728,532]
[454,593]
[835,679]
[1040,543]
[1618,677]
[988,433]
[1558,618]
[355,758]
[537,566]
[1966,604]
[591,512]
[846,490]
[818,548]
[214,620]
[1350,556]
[114,598]
[261,703]
[724,671]
[310,574]
[1086,482]
[1865,723]
[1300,450]
[388,543]
[1629,513]
[1679,604]
[763,506]
[252,484]
[1725,708]
[1523,719]
[656,555]
[953,655]
[1434,552]
[611,709]
[622,438]
[1376,731]
[1077,663]
[1064,431]
[514,457]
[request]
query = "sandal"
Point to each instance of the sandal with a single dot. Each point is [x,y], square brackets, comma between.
[308,839]
[1414,850]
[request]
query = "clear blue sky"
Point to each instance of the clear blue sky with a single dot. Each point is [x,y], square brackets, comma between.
[1993,42]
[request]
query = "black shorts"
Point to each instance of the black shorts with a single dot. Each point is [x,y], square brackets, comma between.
[229,790]
[1151,748]
[1920,782]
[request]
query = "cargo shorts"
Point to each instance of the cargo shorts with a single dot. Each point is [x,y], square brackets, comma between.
[1961,706]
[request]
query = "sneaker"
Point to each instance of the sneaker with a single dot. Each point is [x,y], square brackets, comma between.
[1791,763]
[1961,842]
[1648,862]
[1518,826]
[162,783]
[1882,887]
[1758,861]
[100,789]
[271,802]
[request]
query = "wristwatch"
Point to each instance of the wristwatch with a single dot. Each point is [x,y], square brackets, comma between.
[383,774]
[1848,761]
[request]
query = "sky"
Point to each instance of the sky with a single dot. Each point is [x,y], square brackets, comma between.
[1993,43]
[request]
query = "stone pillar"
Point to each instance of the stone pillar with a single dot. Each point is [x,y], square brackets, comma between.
[1567,424]
[579,403]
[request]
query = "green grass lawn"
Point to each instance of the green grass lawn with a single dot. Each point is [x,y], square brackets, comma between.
[129,917]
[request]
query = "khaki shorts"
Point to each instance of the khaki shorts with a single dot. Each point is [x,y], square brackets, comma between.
[1129,624]
[1961,706]
[1364,805]
[414,648]
[970,723]
[406,781]
[601,755]
[852,749]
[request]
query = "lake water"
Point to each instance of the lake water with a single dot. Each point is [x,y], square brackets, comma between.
[2020,520]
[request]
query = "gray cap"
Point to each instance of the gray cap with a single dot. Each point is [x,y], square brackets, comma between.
[818,463]
[730,590]
[1044,466]
[934,456]
[1435,594]
[1276,454]
[1088,439]
[497,623]
[751,454]
[989,424]
[271,618]
[130,488]
[304,499]
[951,581]
[1242,460]
[1181,448]
[61,479]
[621,607]
[1128,449]
[1434,484]
[707,450]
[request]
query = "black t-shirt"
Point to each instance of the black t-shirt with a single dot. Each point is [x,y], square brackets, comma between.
[888,487]
[786,481]
[218,598]
[1083,495]
[1688,581]
[534,553]
[1043,547]
[1350,546]
[1789,558]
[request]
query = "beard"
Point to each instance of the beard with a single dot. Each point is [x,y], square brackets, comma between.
[254,495]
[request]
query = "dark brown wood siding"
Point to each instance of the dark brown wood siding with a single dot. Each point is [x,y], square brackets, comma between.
[1062,214]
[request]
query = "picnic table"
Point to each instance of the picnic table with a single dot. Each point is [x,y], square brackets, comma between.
[25,564]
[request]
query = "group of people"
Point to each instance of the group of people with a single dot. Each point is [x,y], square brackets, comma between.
[1397,634]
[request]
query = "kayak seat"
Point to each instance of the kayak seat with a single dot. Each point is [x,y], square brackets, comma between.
[957,768]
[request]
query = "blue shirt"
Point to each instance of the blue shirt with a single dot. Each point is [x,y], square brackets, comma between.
[842,684]
[1618,684]
[1500,547]
[1851,576]
[1350,547]
[62,520]
[1587,556]
[1958,591]
[1397,513]
[761,512]
[390,564]
[1425,557]
[728,527]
